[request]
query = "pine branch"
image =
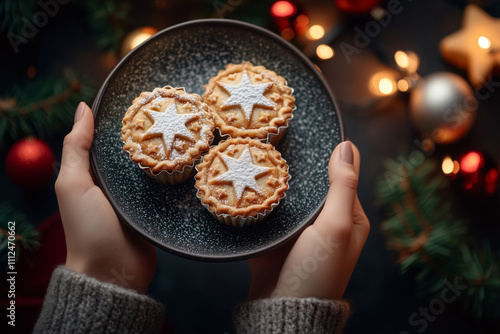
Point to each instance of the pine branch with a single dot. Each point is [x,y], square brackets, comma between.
[12,13]
[26,237]
[41,106]
[107,19]
[432,242]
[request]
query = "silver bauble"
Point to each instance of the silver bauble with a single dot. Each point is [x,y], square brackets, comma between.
[443,106]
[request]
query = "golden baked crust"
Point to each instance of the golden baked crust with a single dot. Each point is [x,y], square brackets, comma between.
[167,129]
[223,164]
[231,118]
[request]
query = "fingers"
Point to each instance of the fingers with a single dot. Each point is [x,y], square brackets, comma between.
[74,171]
[343,175]
[361,227]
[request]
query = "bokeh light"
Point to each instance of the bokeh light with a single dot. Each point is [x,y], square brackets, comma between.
[323,51]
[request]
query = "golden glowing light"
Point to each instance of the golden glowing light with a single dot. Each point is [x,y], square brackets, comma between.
[407,61]
[323,51]
[447,166]
[316,32]
[403,85]
[484,42]
[385,86]
[135,38]
[402,59]
[283,9]
[382,83]
[139,39]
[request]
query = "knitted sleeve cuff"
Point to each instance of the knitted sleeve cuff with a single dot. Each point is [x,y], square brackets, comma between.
[291,315]
[76,303]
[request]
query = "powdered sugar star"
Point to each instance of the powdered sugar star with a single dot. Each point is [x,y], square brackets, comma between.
[247,95]
[169,124]
[241,172]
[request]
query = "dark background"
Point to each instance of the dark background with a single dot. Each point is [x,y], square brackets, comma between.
[199,297]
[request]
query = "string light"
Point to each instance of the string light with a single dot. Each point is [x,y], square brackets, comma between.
[382,84]
[484,42]
[402,59]
[385,86]
[407,61]
[136,37]
[403,85]
[447,166]
[456,167]
[323,51]
[316,32]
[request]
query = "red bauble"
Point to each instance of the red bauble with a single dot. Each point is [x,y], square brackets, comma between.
[29,163]
[357,6]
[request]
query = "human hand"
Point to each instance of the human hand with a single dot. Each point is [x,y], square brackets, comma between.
[97,244]
[319,263]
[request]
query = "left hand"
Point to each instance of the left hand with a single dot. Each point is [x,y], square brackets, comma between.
[97,244]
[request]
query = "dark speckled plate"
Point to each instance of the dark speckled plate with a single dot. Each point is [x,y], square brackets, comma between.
[172,217]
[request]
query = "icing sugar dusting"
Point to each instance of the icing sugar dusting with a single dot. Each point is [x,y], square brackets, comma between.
[247,95]
[241,172]
[170,124]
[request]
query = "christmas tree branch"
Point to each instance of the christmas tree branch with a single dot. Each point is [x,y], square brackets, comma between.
[432,243]
[25,238]
[41,106]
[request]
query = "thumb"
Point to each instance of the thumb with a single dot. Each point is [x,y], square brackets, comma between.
[337,214]
[75,156]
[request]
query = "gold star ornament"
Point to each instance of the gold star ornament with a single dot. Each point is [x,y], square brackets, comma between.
[475,47]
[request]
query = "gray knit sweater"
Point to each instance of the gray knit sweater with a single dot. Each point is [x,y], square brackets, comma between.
[76,303]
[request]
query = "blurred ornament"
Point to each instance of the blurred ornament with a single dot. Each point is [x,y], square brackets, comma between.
[289,19]
[472,47]
[357,6]
[443,106]
[29,163]
[477,174]
[136,37]
[301,23]
[283,9]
